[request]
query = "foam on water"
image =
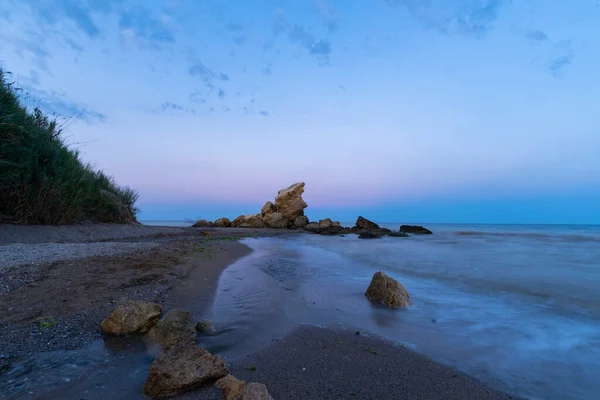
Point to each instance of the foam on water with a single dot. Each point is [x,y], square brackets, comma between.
[518,311]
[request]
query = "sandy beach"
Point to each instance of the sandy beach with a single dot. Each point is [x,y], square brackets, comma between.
[59,283]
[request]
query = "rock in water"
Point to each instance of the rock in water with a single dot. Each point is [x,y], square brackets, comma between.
[276,220]
[182,368]
[387,291]
[369,235]
[222,223]
[416,229]
[131,316]
[201,223]
[268,208]
[289,201]
[301,221]
[205,327]
[235,389]
[175,327]
[363,223]
[397,234]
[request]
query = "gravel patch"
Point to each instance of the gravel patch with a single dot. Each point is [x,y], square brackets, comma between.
[26,254]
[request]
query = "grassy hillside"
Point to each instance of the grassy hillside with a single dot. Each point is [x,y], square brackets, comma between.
[42,181]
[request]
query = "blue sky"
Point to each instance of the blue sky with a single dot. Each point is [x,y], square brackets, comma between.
[404,110]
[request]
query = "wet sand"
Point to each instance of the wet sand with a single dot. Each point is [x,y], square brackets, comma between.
[182,270]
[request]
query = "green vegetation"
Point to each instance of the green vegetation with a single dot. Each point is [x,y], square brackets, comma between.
[252,368]
[42,180]
[46,324]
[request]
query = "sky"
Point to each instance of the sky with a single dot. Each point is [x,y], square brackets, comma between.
[474,111]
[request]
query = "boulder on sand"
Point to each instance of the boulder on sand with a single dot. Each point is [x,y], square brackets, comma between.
[301,221]
[201,223]
[235,389]
[289,201]
[387,291]
[131,316]
[182,368]
[276,220]
[268,208]
[175,327]
[222,223]
[416,229]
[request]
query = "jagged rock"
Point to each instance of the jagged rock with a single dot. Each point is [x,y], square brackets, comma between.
[268,208]
[369,235]
[181,368]
[363,223]
[276,220]
[301,221]
[387,291]
[131,316]
[325,223]
[235,389]
[397,234]
[222,223]
[205,327]
[416,229]
[175,327]
[201,223]
[289,201]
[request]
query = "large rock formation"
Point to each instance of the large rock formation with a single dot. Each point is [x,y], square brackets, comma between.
[175,327]
[289,201]
[276,220]
[131,316]
[268,208]
[235,389]
[387,291]
[249,221]
[416,229]
[181,368]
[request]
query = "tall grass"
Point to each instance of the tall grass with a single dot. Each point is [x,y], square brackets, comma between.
[42,180]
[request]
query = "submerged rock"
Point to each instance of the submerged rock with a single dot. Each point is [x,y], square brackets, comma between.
[175,327]
[387,291]
[369,235]
[289,201]
[416,229]
[201,223]
[131,316]
[222,223]
[205,327]
[235,389]
[181,368]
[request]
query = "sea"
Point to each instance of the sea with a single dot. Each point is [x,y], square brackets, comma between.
[516,306]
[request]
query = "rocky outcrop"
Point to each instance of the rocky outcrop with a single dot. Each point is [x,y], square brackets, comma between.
[397,234]
[131,316]
[201,223]
[175,327]
[222,223]
[235,389]
[276,220]
[312,227]
[416,229]
[387,291]
[183,367]
[268,208]
[301,221]
[365,224]
[289,201]
[249,221]
[206,327]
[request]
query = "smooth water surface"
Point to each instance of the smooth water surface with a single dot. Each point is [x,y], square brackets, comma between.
[516,306]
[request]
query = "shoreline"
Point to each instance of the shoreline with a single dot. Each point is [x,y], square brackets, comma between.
[182,270]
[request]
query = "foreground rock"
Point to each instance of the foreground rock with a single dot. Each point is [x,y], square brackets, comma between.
[206,327]
[416,229]
[202,223]
[182,368]
[131,316]
[289,201]
[175,327]
[235,389]
[387,291]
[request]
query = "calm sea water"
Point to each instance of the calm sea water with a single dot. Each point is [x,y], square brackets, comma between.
[516,306]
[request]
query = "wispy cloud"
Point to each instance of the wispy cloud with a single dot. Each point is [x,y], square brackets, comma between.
[536,35]
[564,58]
[171,108]
[462,17]
[143,25]
[329,13]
